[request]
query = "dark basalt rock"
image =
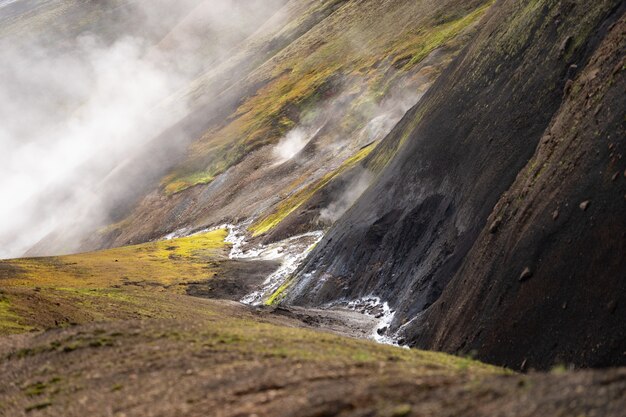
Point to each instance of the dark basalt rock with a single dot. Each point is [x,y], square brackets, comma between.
[425,236]
[569,308]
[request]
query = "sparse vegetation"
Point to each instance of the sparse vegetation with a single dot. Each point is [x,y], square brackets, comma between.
[125,282]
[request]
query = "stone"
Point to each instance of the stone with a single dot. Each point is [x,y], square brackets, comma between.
[527,273]
[495,225]
[565,44]
[584,205]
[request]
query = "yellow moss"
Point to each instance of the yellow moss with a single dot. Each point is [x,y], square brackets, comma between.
[297,199]
[181,184]
[278,294]
[419,46]
[161,262]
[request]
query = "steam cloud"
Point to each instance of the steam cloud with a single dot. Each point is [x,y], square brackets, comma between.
[383,117]
[75,110]
[353,191]
[293,143]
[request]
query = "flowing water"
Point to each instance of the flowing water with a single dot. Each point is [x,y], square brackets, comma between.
[374,306]
[291,253]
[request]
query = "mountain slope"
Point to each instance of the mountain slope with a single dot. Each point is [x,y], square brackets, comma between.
[332,74]
[461,148]
[564,219]
[464,160]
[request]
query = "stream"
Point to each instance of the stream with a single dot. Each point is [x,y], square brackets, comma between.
[291,252]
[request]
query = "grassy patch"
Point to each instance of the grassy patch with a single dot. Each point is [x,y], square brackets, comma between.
[122,282]
[163,262]
[179,184]
[10,322]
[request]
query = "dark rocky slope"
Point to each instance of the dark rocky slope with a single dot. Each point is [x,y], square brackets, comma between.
[461,149]
[564,219]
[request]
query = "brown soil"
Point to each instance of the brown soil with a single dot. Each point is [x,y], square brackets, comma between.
[235,282]
[236,363]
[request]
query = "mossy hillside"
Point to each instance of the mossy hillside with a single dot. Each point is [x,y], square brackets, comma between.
[162,262]
[123,282]
[311,70]
[419,45]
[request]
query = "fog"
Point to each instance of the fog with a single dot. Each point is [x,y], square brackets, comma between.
[75,107]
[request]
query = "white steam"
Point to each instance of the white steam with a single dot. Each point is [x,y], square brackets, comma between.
[69,120]
[352,191]
[75,109]
[293,143]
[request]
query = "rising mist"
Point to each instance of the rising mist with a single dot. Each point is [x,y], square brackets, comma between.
[76,108]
